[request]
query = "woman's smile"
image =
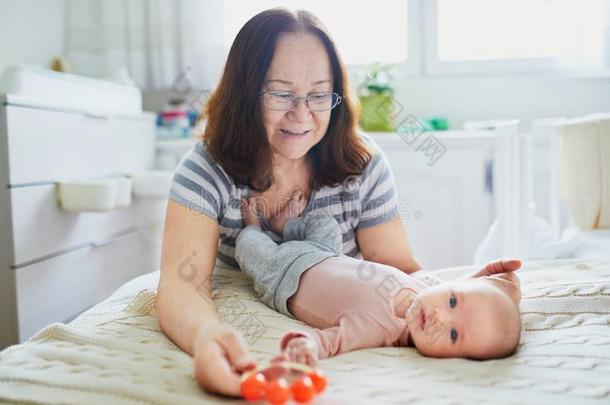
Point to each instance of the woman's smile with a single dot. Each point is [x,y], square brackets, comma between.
[295,134]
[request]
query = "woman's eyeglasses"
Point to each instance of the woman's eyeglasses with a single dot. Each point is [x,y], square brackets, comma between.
[285,100]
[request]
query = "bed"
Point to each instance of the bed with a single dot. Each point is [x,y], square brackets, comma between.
[116,353]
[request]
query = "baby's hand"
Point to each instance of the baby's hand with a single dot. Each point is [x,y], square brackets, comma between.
[301,350]
[248,212]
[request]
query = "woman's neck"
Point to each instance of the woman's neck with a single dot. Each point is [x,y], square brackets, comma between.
[287,173]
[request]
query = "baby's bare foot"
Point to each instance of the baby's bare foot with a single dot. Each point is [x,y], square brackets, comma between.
[301,350]
[249,213]
[292,209]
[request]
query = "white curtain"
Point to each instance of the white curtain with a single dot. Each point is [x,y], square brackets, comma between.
[159,43]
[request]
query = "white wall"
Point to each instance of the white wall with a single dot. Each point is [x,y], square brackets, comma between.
[483,98]
[32,31]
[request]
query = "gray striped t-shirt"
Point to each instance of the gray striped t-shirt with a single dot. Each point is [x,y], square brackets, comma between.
[202,185]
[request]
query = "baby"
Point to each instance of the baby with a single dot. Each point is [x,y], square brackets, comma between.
[354,304]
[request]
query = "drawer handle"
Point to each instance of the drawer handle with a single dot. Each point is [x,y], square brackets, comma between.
[114,237]
[96,116]
[103,242]
[91,245]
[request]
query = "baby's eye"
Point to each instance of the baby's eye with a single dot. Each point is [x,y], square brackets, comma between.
[452,301]
[454,335]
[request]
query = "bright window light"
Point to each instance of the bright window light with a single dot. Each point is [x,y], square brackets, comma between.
[470,30]
[364,32]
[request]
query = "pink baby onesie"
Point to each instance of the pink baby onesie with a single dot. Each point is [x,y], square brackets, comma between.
[350,302]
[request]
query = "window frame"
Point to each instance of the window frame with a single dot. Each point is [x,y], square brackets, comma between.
[431,65]
[413,66]
[423,56]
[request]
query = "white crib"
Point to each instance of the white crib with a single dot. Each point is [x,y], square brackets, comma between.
[527,178]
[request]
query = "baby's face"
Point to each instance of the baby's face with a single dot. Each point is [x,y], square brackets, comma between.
[468,318]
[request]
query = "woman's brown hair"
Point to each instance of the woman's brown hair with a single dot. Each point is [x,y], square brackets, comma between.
[235,135]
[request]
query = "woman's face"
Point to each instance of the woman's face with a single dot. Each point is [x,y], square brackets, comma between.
[300,65]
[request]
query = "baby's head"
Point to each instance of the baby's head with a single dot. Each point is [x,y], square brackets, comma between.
[475,318]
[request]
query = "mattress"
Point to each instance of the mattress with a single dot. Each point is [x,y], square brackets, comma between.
[36,85]
[116,353]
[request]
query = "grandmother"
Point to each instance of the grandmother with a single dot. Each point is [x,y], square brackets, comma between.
[282,119]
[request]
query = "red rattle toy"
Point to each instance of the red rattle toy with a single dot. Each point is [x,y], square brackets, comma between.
[281,381]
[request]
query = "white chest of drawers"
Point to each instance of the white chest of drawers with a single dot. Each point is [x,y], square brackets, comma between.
[55,264]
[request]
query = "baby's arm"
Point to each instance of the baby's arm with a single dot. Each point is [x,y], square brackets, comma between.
[355,331]
[506,266]
[426,277]
[503,269]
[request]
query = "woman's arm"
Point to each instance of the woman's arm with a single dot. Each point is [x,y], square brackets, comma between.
[187,261]
[186,312]
[387,243]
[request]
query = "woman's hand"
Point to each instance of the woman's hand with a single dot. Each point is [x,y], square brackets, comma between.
[501,266]
[503,270]
[220,357]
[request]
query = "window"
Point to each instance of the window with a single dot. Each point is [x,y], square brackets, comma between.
[364,32]
[460,37]
[516,35]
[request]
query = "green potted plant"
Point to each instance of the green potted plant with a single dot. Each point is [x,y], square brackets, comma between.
[376,96]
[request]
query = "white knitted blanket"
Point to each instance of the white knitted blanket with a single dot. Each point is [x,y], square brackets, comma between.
[115,352]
